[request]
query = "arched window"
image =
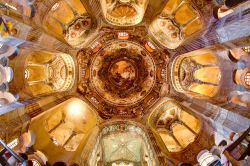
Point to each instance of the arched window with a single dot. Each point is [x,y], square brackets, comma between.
[174,126]
[13,143]
[123,35]
[150,46]
[236,54]
[247,78]
[246,49]
[35,162]
[242,77]
[206,158]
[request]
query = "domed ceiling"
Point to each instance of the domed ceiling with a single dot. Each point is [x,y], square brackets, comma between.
[122,77]
[160,72]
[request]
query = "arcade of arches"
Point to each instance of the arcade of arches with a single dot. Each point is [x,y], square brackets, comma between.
[125,82]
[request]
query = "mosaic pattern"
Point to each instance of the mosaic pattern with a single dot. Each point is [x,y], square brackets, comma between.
[122,143]
[119,76]
[123,73]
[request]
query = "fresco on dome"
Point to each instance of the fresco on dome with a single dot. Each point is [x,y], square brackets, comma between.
[124,12]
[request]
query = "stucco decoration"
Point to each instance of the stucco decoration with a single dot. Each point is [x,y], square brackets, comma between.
[122,74]
[69,21]
[189,73]
[178,21]
[124,12]
[46,72]
[78,31]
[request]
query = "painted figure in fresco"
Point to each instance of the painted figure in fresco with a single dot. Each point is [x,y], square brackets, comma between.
[123,73]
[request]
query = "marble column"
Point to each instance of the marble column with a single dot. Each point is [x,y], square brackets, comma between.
[224,122]
[230,31]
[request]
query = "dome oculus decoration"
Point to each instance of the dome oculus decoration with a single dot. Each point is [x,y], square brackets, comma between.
[124,76]
[120,77]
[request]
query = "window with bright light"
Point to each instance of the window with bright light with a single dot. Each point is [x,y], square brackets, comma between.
[35,162]
[123,35]
[247,79]
[13,143]
[246,49]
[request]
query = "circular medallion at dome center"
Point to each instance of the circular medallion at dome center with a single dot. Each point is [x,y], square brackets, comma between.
[123,73]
